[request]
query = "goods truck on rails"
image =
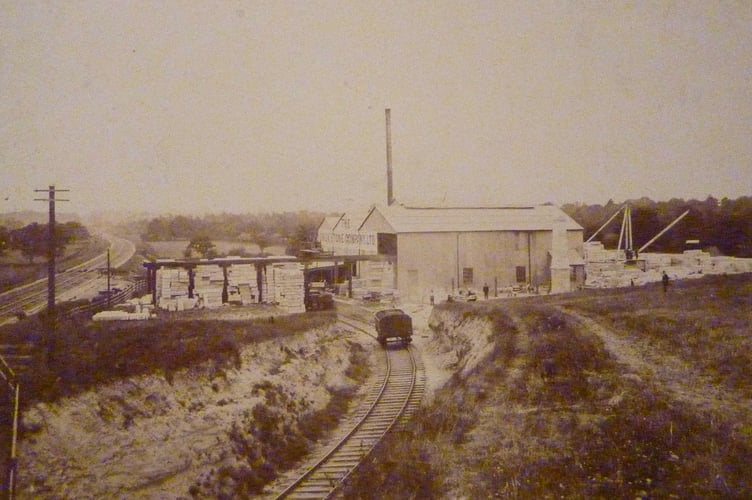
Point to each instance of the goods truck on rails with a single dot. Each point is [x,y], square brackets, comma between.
[393,324]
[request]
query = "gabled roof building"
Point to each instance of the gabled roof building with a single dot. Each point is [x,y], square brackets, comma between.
[440,251]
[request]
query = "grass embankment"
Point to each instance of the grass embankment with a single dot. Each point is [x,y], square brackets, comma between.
[82,355]
[704,323]
[550,413]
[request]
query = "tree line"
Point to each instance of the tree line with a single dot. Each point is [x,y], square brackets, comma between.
[723,227]
[294,230]
[32,240]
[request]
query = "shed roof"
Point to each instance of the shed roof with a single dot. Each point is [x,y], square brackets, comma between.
[401,219]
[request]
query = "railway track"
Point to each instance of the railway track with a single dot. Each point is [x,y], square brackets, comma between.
[31,298]
[394,396]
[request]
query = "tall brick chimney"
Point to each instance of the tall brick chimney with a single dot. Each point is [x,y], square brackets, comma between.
[389,187]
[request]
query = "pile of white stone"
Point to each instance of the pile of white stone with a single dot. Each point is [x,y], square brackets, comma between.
[172,286]
[286,286]
[119,316]
[375,277]
[688,265]
[137,308]
[282,284]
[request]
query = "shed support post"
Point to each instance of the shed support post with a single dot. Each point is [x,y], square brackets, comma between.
[153,280]
[348,267]
[225,284]
[191,281]
[260,282]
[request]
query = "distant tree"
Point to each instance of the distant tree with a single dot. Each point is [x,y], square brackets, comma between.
[4,240]
[262,229]
[183,227]
[645,224]
[72,231]
[157,229]
[303,239]
[203,246]
[31,240]
[239,251]
[722,226]
[263,240]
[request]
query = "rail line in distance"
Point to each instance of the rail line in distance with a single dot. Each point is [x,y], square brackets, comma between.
[389,403]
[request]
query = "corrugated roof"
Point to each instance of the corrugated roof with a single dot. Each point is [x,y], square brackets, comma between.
[428,220]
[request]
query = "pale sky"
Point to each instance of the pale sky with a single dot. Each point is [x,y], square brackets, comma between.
[245,106]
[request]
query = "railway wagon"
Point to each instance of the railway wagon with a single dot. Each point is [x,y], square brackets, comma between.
[316,300]
[393,324]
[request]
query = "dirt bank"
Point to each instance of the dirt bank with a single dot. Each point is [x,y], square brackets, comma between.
[147,437]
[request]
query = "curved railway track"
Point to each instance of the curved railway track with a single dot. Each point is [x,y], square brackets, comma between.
[31,298]
[391,400]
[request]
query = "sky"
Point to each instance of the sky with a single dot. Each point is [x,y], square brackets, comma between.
[200,107]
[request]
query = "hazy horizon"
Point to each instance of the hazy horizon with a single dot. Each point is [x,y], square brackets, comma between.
[244,107]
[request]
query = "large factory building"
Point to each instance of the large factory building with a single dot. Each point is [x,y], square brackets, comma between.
[443,251]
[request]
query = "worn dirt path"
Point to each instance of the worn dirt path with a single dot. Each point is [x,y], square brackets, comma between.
[677,377]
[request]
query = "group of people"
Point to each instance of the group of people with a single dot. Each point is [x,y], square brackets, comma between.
[486,290]
[664,279]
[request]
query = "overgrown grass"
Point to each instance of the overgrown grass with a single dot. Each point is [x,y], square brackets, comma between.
[703,322]
[559,418]
[81,355]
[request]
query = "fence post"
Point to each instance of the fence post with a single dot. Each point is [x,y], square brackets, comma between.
[12,462]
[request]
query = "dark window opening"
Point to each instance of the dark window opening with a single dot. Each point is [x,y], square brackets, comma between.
[467,275]
[387,244]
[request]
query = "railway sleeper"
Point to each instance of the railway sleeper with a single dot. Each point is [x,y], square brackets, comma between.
[370,430]
[381,418]
[374,427]
[351,458]
[356,450]
[392,404]
[330,470]
[317,493]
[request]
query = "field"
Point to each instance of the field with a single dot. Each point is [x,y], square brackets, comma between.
[630,393]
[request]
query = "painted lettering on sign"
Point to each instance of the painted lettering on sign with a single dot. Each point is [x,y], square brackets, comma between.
[349,238]
[349,243]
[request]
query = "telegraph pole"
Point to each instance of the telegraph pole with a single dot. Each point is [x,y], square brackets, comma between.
[51,245]
[109,273]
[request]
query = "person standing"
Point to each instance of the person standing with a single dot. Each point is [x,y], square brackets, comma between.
[485,290]
[664,279]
